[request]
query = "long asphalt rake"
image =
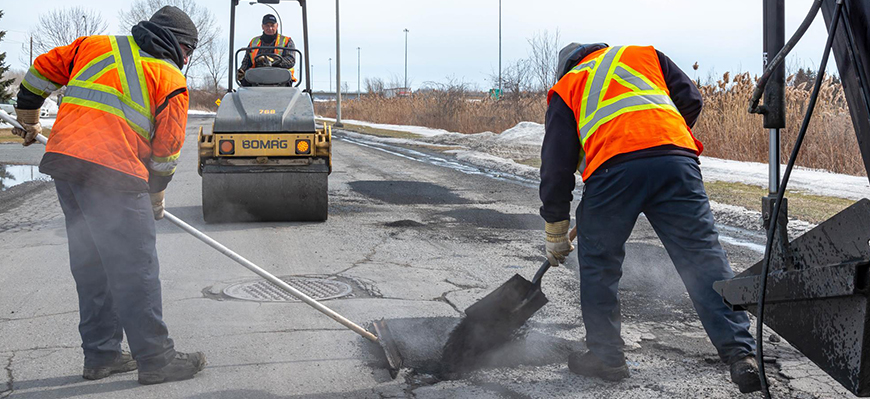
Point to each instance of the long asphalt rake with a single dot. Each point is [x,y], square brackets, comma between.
[382,335]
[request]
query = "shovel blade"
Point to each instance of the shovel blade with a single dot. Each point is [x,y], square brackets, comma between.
[491,322]
[388,344]
[509,305]
[502,300]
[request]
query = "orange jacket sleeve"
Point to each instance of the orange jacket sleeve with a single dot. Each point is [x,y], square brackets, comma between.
[52,70]
[168,138]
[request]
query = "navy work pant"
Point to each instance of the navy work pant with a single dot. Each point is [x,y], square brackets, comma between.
[670,192]
[113,257]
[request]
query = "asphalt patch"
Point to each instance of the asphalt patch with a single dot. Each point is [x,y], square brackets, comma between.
[421,341]
[404,223]
[492,219]
[407,192]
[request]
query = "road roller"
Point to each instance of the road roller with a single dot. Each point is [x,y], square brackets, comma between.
[265,158]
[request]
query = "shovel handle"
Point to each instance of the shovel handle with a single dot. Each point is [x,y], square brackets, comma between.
[546,265]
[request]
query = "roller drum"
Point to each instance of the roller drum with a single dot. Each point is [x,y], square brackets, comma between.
[264,194]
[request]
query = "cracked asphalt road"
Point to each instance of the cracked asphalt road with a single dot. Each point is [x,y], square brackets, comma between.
[419,242]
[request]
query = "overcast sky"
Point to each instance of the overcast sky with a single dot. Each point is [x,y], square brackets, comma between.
[459,38]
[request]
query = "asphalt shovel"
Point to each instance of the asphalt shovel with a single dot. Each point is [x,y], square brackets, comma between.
[383,338]
[493,320]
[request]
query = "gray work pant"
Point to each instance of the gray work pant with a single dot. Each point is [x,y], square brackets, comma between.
[670,192]
[113,257]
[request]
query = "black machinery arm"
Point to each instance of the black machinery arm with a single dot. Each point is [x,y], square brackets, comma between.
[818,296]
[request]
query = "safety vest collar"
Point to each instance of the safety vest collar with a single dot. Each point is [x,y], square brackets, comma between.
[602,71]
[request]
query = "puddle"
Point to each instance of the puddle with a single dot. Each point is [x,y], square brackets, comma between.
[13,175]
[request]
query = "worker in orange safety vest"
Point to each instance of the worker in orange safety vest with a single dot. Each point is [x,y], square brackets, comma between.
[280,58]
[117,139]
[626,112]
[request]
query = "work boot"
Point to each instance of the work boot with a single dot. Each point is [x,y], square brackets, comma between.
[589,365]
[122,364]
[183,367]
[744,373]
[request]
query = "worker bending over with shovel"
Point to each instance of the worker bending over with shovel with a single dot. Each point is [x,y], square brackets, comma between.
[629,111]
[117,138]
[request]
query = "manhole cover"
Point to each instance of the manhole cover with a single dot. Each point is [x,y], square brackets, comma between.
[264,291]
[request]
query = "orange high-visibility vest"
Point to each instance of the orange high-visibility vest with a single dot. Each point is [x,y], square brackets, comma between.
[622,104]
[123,108]
[280,41]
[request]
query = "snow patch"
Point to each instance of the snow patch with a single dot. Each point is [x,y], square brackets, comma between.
[811,181]
[492,162]
[197,112]
[750,220]
[418,130]
[529,133]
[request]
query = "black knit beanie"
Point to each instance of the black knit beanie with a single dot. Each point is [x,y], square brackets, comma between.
[179,23]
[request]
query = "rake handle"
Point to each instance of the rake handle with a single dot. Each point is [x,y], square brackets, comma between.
[14,122]
[238,258]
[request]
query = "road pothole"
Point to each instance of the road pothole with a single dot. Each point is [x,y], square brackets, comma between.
[421,342]
[404,223]
[407,192]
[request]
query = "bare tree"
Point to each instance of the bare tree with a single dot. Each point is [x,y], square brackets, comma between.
[142,10]
[214,63]
[544,59]
[518,77]
[375,86]
[398,81]
[61,27]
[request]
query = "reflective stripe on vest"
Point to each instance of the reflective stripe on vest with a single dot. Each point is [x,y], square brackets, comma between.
[594,111]
[134,103]
[164,166]
[38,84]
[255,42]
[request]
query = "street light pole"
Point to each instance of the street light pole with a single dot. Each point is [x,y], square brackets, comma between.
[280,23]
[499,48]
[357,72]
[337,68]
[406,58]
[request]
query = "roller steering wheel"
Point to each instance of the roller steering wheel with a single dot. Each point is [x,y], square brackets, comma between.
[268,60]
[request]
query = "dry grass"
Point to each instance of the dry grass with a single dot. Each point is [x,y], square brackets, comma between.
[802,206]
[441,110]
[725,127]
[6,136]
[729,132]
